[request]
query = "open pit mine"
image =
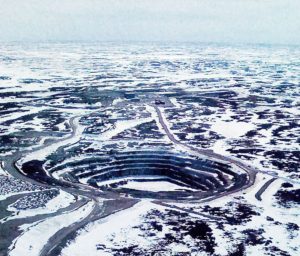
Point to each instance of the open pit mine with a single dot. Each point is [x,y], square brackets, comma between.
[143,149]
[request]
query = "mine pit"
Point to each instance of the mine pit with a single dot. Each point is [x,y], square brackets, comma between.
[154,174]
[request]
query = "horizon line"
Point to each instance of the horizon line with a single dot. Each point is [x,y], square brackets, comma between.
[149,41]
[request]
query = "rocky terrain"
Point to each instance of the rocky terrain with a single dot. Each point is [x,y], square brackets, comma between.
[148,149]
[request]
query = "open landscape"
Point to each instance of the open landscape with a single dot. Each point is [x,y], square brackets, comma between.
[149,149]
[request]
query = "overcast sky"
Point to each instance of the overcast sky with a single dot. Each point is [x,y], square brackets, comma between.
[237,21]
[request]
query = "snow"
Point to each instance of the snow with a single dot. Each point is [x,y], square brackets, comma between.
[14,116]
[267,207]
[154,186]
[114,226]
[63,200]
[116,101]
[175,102]
[224,244]
[3,197]
[232,129]
[2,171]
[75,66]
[61,126]
[220,147]
[123,125]
[44,152]
[36,235]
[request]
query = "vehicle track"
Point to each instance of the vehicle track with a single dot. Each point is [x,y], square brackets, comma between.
[116,203]
[10,164]
[251,172]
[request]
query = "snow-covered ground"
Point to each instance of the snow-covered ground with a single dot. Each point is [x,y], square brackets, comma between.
[239,101]
[232,129]
[112,231]
[36,235]
[61,201]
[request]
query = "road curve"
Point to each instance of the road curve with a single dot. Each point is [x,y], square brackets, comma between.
[54,244]
[116,203]
[251,172]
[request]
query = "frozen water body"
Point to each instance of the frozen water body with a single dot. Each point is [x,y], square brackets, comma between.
[232,129]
